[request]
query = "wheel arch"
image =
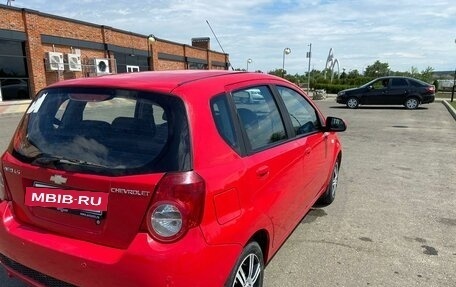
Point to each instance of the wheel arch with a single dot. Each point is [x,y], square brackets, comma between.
[339,158]
[416,96]
[263,239]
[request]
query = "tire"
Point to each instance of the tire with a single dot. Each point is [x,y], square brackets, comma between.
[411,103]
[249,268]
[352,103]
[330,194]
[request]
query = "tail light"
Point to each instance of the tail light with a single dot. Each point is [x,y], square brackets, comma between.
[18,138]
[431,89]
[4,195]
[177,206]
[2,188]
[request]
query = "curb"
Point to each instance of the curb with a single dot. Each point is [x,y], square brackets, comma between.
[15,103]
[450,108]
[13,108]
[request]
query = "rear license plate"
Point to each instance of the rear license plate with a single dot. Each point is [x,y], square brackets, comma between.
[84,203]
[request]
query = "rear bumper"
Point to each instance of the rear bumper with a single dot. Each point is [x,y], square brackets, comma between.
[428,99]
[28,253]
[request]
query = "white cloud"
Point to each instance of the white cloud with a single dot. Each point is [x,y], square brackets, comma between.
[403,33]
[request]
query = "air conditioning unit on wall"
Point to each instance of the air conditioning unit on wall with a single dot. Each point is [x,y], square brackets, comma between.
[73,62]
[54,61]
[101,66]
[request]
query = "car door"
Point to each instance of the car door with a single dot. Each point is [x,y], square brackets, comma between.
[376,93]
[307,131]
[398,91]
[272,180]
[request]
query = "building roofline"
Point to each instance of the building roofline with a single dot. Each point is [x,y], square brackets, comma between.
[99,26]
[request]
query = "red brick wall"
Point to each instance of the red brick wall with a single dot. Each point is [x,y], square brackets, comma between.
[11,20]
[35,24]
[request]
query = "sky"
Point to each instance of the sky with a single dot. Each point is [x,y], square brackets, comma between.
[402,33]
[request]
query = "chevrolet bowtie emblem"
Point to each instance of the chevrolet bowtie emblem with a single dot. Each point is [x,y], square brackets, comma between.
[58,179]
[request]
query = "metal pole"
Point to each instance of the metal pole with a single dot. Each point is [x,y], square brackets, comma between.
[286,51]
[248,62]
[308,69]
[454,85]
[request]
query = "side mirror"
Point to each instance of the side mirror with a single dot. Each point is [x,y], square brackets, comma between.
[334,124]
[370,87]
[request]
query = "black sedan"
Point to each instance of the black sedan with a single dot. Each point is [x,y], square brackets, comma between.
[389,91]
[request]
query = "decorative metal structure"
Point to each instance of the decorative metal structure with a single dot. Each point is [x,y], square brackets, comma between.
[330,63]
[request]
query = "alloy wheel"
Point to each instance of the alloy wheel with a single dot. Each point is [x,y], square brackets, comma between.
[411,103]
[248,272]
[334,180]
[352,103]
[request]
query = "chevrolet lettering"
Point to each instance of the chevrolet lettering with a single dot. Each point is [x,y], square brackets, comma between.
[130,191]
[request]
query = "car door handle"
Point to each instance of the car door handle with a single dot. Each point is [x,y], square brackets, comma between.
[262,171]
[307,151]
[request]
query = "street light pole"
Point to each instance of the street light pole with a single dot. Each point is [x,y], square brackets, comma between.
[286,51]
[454,81]
[454,85]
[249,61]
[309,55]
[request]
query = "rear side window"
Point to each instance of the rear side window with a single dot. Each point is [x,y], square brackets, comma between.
[259,117]
[222,118]
[302,115]
[417,83]
[398,82]
[106,131]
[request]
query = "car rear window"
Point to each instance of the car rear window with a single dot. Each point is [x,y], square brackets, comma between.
[417,83]
[106,131]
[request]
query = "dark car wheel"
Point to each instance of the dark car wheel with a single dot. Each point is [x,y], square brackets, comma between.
[330,194]
[249,269]
[352,103]
[412,103]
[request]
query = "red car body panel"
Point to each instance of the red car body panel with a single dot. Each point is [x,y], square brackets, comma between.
[144,263]
[266,192]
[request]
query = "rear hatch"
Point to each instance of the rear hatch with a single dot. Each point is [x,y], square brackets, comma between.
[84,162]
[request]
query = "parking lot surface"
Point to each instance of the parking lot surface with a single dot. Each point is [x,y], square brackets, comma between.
[393,222]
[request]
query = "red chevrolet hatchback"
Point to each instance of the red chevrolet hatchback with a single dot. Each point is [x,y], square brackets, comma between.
[162,179]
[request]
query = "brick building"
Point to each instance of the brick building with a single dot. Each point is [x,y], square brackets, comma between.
[38,49]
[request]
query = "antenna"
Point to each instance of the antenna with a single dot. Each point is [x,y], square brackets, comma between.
[219,43]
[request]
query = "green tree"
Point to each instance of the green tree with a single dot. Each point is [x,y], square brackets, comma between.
[377,69]
[426,74]
[353,74]
[278,72]
[414,71]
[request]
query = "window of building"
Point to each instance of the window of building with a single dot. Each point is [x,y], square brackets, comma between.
[197,66]
[125,62]
[14,83]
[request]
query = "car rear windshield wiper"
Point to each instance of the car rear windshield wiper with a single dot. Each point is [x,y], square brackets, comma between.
[48,160]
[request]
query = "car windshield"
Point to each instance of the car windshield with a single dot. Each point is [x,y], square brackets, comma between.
[108,131]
